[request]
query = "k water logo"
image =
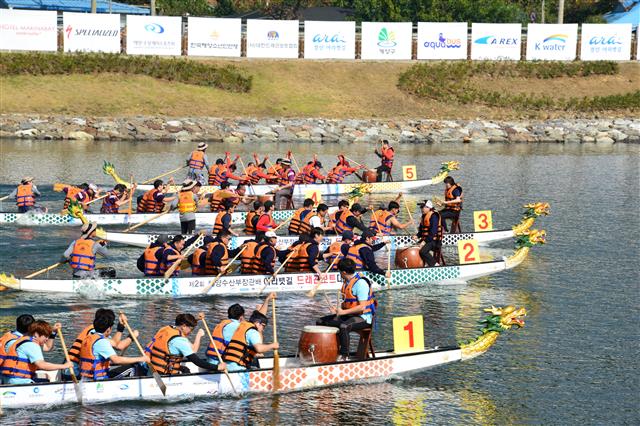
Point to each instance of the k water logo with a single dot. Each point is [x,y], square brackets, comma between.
[154,28]
[386,39]
[604,41]
[497,41]
[444,43]
[553,42]
[273,35]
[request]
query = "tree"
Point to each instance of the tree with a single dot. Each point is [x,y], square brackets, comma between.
[182,7]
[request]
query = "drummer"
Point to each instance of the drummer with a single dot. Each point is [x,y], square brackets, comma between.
[25,195]
[362,254]
[386,155]
[357,309]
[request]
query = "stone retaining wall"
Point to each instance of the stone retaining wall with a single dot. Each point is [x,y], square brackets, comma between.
[45,127]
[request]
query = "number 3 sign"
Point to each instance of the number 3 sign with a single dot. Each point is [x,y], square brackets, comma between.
[482,221]
[408,334]
[468,251]
[409,173]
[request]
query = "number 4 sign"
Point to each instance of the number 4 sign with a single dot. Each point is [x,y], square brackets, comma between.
[408,334]
[315,195]
[409,173]
[482,221]
[468,251]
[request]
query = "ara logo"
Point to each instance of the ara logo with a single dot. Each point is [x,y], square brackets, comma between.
[604,41]
[273,35]
[154,28]
[491,40]
[386,39]
[553,42]
[326,38]
[444,43]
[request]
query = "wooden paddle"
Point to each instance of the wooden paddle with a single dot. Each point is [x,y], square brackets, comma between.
[215,280]
[276,355]
[4,198]
[187,252]
[129,209]
[47,269]
[244,169]
[226,373]
[354,162]
[97,199]
[283,223]
[151,219]
[295,162]
[156,376]
[170,172]
[389,267]
[76,385]
[406,205]
[313,291]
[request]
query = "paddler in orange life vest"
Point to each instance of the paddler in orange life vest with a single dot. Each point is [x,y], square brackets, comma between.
[198,163]
[429,232]
[223,194]
[310,173]
[259,256]
[341,170]
[25,195]
[24,355]
[187,204]
[115,198]
[223,170]
[214,255]
[339,249]
[452,204]
[252,218]
[361,252]
[342,206]
[153,201]
[386,221]
[81,254]
[170,347]
[150,260]
[224,331]
[298,225]
[386,155]
[89,194]
[357,309]
[224,219]
[307,255]
[350,219]
[171,254]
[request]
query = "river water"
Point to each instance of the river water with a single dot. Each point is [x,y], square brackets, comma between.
[575,361]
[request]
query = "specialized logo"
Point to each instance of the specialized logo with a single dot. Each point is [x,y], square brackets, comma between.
[154,28]
[444,43]
[553,42]
[90,32]
[604,41]
[68,31]
[273,35]
[491,40]
[325,38]
[386,39]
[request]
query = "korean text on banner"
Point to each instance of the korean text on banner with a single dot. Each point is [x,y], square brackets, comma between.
[28,30]
[272,39]
[386,40]
[329,40]
[496,41]
[214,37]
[154,35]
[439,40]
[611,42]
[552,42]
[90,32]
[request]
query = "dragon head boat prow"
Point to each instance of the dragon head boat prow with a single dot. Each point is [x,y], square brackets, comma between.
[8,281]
[446,168]
[109,169]
[531,213]
[524,242]
[501,319]
[75,210]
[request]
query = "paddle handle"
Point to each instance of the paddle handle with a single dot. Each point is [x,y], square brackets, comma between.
[97,199]
[313,291]
[354,162]
[43,270]
[283,223]
[215,280]
[406,206]
[244,169]
[187,252]
[276,355]
[4,198]
[206,327]
[131,228]
[163,175]
[375,217]
[66,355]
[293,157]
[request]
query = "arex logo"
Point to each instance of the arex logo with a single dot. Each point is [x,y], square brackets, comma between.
[386,39]
[553,42]
[497,41]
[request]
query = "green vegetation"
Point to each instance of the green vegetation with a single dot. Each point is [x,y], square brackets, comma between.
[227,77]
[457,81]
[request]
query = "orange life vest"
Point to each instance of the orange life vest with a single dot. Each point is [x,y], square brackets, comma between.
[341,222]
[335,249]
[283,176]
[448,196]
[218,340]
[299,262]
[6,338]
[82,256]
[349,300]
[92,366]
[238,349]
[108,206]
[158,350]
[218,226]
[338,173]
[14,366]
[354,254]
[249,226]
[387,156]
[217,174]
[384,222]
[425,225]
[197,268]
[196,161]
[251,174]
[249,263]
[25,196]
[148,203]
[72,195]
[74,351]
[187,202]
[165,265]
[333,220]
[306,174]
[276,171]
[215,204]
[297,225]
[210,269]
[151,262]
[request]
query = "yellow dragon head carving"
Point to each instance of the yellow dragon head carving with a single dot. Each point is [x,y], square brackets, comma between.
[504,318]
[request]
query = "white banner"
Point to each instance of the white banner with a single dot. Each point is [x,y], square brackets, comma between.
[552,42]
[439,40]
[329,40]
[214,37]
[154,35]
[496,41]
[610,42]
[90,32]
[272,38]
[28,30]
[386,40]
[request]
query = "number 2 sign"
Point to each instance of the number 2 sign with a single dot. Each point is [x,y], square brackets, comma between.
[468,251]
[409,173]
[482,220]
[408,334]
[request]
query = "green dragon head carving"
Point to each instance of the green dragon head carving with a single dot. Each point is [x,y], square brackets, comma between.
[502,319]
[359,191]
[109,169]
[530,238]
[75,210]
[535,210]
[449,166]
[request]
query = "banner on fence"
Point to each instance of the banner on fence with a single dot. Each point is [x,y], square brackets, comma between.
[440,40]
[610,42]
[329,40]
[154,35]
[496,41]
[214,37]
[386,40]
[28,30]
[90,32]
[552,42]
[272,38]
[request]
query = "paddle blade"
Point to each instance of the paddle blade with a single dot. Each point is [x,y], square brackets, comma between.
[276,371]
[78,390]
[58,187]
[161,385]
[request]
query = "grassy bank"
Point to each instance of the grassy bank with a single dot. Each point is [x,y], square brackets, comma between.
[295,88]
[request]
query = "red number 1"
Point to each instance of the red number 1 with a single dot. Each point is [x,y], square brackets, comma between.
[409,328]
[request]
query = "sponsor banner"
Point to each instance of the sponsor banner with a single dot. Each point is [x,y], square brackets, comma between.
[28,30]
[329,40]
[154,35]
[496,41]
[90,32]
[552,42]
[386,40]
[611,42]
[439,40]
[272,38]
[214,37]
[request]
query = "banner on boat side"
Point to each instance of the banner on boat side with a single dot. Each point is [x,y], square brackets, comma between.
[440,40]
[154,35]
[408,334]
[496,41]
[329,40]
[552,42]
[386,40]
[605,42]
[28,30]
[272,38]
[90,32]
[214,37]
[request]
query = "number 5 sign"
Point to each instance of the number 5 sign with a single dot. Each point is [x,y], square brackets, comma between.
[408,334]
[482,221]
[409,173]
[468,251]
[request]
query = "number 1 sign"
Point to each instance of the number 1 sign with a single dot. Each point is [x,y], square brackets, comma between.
[408,334]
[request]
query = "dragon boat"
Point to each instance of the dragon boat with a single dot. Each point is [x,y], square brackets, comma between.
[232,285]
[293,375]
[324,188]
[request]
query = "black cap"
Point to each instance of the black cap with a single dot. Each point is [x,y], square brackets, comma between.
[356,207]
[368,233]
[318,164]
[347,235]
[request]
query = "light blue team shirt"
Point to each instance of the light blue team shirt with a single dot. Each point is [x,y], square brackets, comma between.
[361,292]
[253,338]
[180,346]
[227,333]
[31,351]
[101,348]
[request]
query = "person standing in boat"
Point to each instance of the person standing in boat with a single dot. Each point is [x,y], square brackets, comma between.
[115,198]
[25,195]
[350,219]
[386,221]
[452,205]
[170,346]
[361,252]
[187,204]
[286,181]
[81,254]
[357,308]
[198,163]
[429,233]
[339,249]
[153,201]
[246,343]
[386,155]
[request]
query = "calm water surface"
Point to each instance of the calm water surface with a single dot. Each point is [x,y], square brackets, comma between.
[575,362]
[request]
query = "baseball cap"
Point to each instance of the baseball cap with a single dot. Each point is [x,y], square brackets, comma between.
[356,207]
[368,233]
[347,235]
[426,203]
[270,234]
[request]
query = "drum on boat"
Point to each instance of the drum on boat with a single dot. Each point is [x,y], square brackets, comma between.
[318,345]
[370,176]
[409,258]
